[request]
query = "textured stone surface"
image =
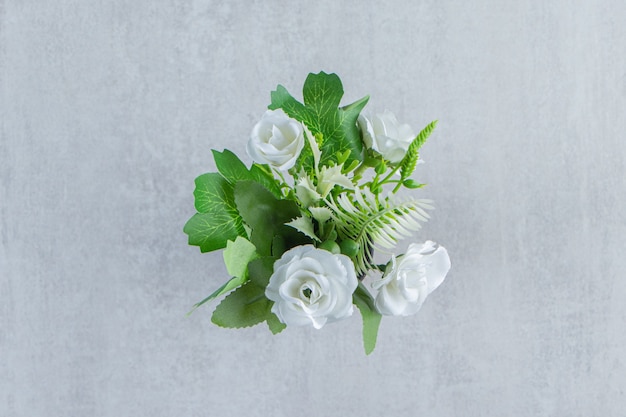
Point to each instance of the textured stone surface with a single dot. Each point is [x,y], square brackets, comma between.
[108,112]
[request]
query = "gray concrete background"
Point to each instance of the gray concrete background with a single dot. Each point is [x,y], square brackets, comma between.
[109,111]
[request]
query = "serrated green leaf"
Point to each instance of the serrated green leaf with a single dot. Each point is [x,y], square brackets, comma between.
[371,317]
[263,175]
[218,220]
[265,214]
[244,307]
[213,193]
[304,225]
[238,255]
[408,163]
[233,170]
[230,166]
[247,305]
[320,113]
[211,231]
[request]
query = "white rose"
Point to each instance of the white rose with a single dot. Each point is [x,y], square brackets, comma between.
[276,140]
[411,278]
[312,286]
[386,135]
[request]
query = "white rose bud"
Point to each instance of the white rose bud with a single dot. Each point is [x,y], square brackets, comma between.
[411,278]
[276,140]
[312,286]
[386,135]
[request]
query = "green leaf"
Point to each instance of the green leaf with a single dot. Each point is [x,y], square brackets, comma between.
[211,231]
[227,287]
[218,220]
[412,184]
[260,270]
[320,113]
[230,166]
[275,325]
[247,305]
[238,255]
[265,214]
[371,317]
[263,175]
[244,307]
[408,163]
[304,225]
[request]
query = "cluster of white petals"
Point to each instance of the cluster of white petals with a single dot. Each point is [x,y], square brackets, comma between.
[384,134]
[276,140]
[312,286]
[410,278]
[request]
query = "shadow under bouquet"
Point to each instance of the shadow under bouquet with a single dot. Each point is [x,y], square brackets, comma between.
[299,228]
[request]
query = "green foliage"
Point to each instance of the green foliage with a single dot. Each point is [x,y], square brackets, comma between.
[247,305]
[304,225]
[408,163]
[375,225]
[371,317]
[233,170]
[266,216]
[244,307]
[218,220]
[237,255]
[321,114]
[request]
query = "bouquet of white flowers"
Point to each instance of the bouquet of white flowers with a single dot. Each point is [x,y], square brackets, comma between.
[299,228]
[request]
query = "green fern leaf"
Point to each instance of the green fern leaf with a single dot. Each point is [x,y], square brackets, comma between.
[375,225]
[408,163]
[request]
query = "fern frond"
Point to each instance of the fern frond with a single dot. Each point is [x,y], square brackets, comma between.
[408,163]
[375,225]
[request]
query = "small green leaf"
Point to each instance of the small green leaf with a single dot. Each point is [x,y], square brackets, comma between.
[412,184]
[275,325]
[304,225]
[237,255]
[371,317]
[408,163]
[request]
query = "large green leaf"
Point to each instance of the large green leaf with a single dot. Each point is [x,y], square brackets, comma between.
[247,305]
[371,317]
[211,231]
[233,170]
[321,114]
[218,220]
[230,166]
[265,214]
[244,307]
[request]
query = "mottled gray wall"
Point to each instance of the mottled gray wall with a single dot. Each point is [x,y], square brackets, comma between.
[109,110]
